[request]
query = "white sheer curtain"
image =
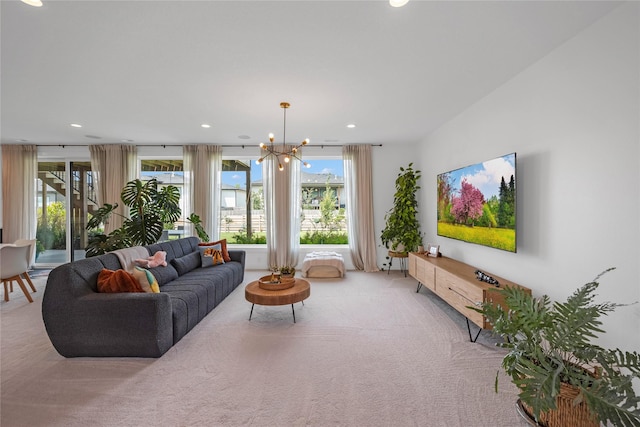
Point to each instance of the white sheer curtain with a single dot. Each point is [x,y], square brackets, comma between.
[282,210]
[113,166]
[19,174]
[202,185]
[359,192]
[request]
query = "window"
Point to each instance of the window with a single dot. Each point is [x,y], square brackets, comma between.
[242,214]
[167,172]
[323,219]
[242,217]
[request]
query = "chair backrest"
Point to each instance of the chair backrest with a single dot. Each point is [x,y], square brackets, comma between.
[13,260]
[32,253]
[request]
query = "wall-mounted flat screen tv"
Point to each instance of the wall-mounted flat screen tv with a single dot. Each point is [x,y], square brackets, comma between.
[477,203]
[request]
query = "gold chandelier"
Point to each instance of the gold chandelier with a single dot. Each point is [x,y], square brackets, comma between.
[282,155]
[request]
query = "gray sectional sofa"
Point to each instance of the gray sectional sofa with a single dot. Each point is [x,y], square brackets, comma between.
[81,322]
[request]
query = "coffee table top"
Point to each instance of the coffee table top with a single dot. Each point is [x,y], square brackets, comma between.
[256,295]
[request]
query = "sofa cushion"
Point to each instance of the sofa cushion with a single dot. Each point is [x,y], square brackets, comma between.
[117,281]
[211,255]
[186,263]
[146,280]
[175,248]
[223,244]
[164,275]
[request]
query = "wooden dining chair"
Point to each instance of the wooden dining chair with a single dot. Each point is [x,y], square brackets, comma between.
[13,263]
[31,259]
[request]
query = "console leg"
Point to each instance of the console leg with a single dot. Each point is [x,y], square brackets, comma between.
[294,313]
[251,314]
[469,329]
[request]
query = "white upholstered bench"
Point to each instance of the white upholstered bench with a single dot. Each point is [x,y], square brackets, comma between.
[323,265]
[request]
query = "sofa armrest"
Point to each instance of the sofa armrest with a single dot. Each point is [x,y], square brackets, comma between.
[238,255]
[113,325]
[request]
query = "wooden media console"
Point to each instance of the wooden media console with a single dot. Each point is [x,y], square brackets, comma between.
[456,283]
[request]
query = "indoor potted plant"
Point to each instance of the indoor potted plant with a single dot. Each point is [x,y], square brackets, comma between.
[287,271]
[402,229]
[561,375]
[149,209]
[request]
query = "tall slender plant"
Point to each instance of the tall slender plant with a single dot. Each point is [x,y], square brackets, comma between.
[401,222]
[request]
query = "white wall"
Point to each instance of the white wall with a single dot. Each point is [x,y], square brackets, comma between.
[573,119]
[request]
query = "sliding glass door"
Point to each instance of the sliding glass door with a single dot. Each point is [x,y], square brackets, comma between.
[51,208]
[64,201]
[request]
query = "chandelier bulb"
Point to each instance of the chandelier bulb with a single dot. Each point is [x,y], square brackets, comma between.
[280,167]
[259,160]
[306,165]
[305,142]
[271,137]
[262,145]
[286,159]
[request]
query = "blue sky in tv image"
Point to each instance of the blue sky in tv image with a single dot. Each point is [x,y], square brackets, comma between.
[486,176]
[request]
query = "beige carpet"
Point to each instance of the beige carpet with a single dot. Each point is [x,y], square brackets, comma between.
[366,350]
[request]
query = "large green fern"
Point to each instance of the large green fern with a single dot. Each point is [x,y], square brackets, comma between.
[552,343]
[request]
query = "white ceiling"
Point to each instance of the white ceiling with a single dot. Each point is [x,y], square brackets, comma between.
[154,71]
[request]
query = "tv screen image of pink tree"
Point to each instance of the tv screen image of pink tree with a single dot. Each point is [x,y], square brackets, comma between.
[477,203]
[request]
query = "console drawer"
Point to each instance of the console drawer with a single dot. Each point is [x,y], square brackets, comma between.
[460,295]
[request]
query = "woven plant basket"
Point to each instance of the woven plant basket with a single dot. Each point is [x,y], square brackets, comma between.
[566,413]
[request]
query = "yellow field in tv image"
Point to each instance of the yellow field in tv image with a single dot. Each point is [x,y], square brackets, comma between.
[499,238]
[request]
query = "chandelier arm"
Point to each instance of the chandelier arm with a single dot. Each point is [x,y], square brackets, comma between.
[284,129]
[288,154]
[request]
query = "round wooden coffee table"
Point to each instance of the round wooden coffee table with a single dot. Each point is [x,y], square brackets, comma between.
[297,293]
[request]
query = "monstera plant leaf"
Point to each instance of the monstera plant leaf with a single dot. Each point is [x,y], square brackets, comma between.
[101,243]
[101,215]
[145,229]
[167,199]
[137,194]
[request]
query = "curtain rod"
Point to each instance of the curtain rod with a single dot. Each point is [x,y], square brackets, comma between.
[221,145]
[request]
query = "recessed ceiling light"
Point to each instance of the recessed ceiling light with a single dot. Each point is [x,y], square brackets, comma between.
[35,3]
[21,140]
[398,3]
[351,125]
[206,126]
[244,137]
[126,140]
[75,125]
[93,136]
